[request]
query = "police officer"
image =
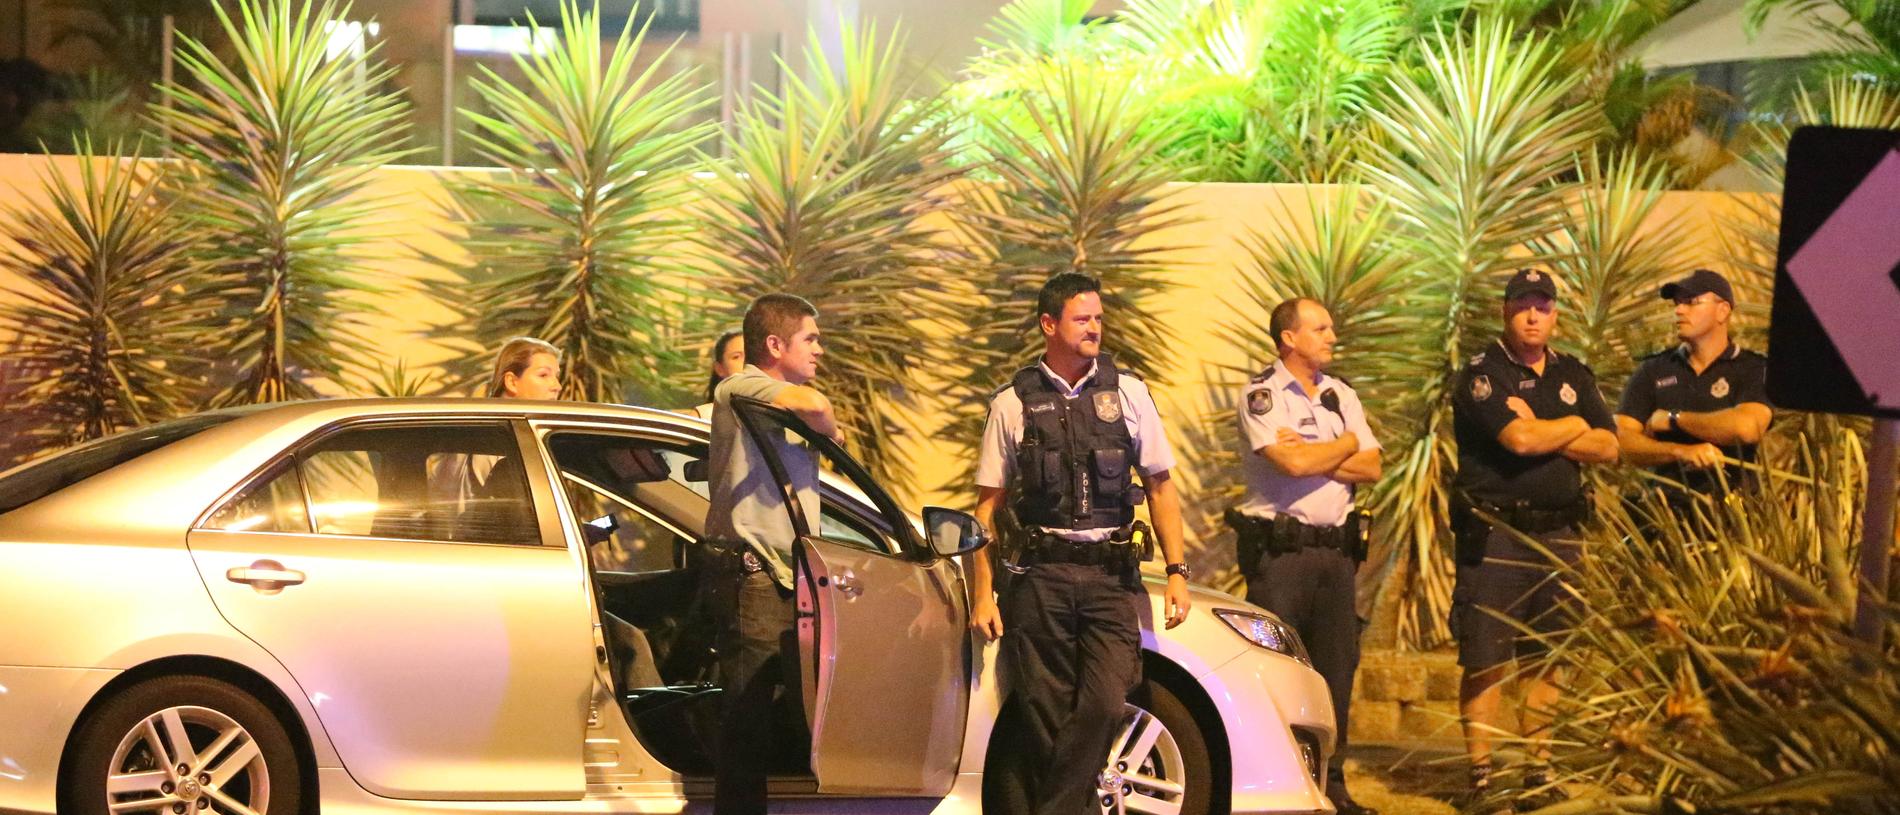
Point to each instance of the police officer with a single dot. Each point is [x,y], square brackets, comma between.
[750,533]
[1688,407]
[1526,418]
[1066,431]
[1299,540]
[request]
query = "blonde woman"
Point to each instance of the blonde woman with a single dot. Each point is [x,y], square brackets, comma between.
[526,368]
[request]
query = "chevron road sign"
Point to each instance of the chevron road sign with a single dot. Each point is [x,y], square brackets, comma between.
[1834,339]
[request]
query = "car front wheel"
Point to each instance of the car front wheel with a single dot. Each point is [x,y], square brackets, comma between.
[183,745]
[1159,764]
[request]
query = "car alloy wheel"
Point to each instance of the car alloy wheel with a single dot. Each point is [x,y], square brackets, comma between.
[182,745]
[1146,772]
[188,759]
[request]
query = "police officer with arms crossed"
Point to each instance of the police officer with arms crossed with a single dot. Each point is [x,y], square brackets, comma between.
[750,532]
[1686,408]
[1298,538]
[1526,418]
[1068,429]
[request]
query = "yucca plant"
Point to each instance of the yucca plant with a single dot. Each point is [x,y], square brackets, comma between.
[1712,668]
[1611,252]
[1475,162]
[278,147]
[837,191]
[1075,195]
[572,239]
[98,324]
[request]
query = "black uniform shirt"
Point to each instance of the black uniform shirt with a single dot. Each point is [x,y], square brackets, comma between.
[1490,473]
[1666,381]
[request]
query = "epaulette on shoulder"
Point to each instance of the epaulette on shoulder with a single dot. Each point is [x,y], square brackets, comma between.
[1476,359]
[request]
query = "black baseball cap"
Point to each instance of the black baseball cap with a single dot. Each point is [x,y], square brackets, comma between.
[1699,282]
[1530,281]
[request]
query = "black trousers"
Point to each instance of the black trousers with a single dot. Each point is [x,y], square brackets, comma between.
[1071,654]
[1312,589]
[754,622]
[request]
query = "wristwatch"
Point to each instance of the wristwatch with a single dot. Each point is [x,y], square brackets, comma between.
[1675,420]
[1185,571]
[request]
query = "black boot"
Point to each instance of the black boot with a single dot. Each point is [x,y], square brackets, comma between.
[1342,800]
[1477,787]
[1538,791]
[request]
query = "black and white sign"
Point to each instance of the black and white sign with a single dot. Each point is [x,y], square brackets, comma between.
[1834,337]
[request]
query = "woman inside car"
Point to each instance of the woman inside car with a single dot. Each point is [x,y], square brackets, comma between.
[526,368]
[728,356]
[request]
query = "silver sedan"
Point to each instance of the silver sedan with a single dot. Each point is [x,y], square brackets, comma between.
[493,606]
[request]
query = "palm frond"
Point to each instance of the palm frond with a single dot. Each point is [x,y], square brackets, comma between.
[836,192]
[100,329]
[571,238]
[1611,254]
[1475,160]
[279,147]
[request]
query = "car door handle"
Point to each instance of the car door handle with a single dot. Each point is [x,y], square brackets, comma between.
[847,583]
[267,576]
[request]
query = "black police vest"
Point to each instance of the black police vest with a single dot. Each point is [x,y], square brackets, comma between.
[1075,455]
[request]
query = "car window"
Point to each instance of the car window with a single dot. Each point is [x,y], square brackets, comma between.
[841,526]
[644,499]
[892,532]
[273,503]
[458,483]
[32,481]
[622,538]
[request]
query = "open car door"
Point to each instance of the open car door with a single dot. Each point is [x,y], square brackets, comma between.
[882,637]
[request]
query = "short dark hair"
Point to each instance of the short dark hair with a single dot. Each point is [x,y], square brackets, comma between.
[773,315]
[1286,317]
[1060,287]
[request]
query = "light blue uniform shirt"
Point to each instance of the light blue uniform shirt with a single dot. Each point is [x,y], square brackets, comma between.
[1278,401]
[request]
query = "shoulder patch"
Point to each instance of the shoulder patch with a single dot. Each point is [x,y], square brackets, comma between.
[1259,401]
[1480,387]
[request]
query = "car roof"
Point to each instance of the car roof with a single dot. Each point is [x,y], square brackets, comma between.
[161,494]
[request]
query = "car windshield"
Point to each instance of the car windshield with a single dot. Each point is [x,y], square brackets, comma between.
[32,481]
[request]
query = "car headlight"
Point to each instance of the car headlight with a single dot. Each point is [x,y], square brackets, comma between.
[1265,631]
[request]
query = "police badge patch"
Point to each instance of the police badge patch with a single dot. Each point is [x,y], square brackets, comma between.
[1481,387]
[1108,406]
[1568,394]
[1720,388]
[1259,402]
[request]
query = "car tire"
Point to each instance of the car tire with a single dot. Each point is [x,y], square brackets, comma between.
[241,752]
[1179,757]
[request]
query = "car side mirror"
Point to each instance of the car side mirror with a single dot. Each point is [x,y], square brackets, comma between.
[952,532]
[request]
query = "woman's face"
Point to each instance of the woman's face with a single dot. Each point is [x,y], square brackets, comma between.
[540,380]
[731,358]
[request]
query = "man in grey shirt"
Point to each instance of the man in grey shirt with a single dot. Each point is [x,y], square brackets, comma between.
[750,529]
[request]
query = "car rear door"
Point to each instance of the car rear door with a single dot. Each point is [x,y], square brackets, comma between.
[413,579]
[883,648]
